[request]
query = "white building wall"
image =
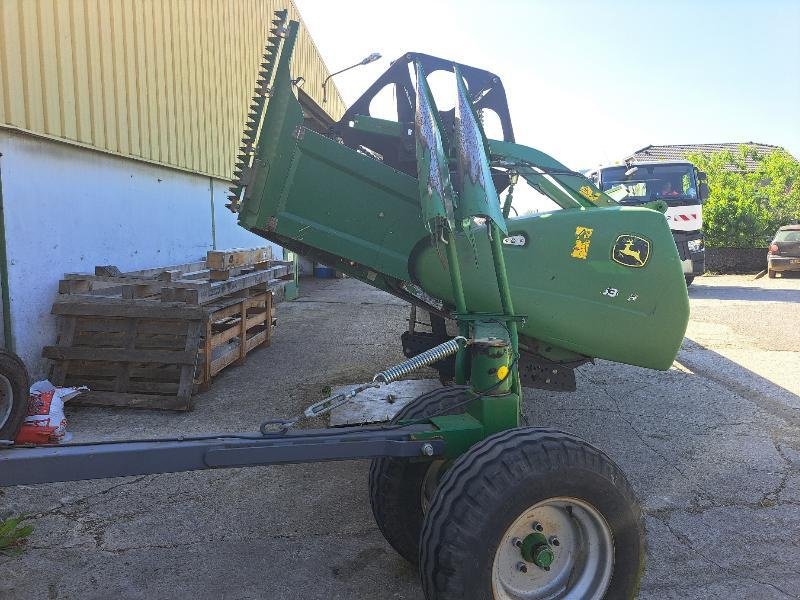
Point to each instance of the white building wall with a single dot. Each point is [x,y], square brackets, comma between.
[68,209]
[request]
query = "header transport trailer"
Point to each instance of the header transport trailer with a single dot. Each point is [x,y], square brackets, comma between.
[419,207]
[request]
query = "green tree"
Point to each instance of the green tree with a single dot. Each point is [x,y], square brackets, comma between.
[746,207]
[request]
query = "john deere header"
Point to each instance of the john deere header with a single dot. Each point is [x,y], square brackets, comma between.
[413,207]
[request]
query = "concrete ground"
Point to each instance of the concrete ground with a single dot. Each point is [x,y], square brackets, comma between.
[712,447]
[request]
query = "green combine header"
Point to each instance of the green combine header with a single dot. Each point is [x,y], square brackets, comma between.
[390,202]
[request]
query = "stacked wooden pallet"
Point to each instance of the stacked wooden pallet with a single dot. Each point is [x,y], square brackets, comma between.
[150,338]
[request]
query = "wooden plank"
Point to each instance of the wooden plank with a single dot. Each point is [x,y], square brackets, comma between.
[113,325]
[201,274]
[101,398]
[121,278]
[256,340]
[216,275]
[85,370]
[206,350]
[118,307]
[74,286]
[233,308]
[222,275]
[66,335]
[118,339]
[204,293]
[224,336]
[180,357]
[187,371]
[107,270]
[268,322]
[242,334]
[237,257]
[157,271]
[230,303]
[169,275]
[142,290]
[223,361]
[124,369]
[134,386]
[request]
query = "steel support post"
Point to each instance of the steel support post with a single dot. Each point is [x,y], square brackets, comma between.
[461,306]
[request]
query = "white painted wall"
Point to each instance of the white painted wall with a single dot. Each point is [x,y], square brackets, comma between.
[68,209]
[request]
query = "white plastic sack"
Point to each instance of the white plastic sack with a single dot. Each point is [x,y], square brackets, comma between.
[46,423]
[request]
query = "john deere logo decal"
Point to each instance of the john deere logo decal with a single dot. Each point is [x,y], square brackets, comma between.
[631,251]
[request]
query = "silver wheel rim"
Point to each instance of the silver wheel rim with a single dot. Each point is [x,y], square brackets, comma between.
[6,399]
[583,554]
[430,482]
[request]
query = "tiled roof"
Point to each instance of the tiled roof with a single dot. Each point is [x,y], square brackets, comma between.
[679,151]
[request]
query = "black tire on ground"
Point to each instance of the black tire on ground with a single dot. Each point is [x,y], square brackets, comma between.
[770,273]
[14,388]
[489,492]
[689,279]
[396,484]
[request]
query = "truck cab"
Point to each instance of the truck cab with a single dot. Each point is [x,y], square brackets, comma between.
[680,185]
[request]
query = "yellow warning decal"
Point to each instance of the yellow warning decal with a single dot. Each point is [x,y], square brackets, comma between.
[589,193]
[582,240]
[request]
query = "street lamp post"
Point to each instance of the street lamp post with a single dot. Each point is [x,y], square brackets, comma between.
[371,58]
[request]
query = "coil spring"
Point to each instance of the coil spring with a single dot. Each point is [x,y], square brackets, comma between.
[428,357]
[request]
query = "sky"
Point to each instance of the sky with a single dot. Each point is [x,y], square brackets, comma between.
[591,82]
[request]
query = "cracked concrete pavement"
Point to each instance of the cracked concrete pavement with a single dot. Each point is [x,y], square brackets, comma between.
[712,448]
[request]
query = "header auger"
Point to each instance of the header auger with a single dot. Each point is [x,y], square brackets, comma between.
[420,207]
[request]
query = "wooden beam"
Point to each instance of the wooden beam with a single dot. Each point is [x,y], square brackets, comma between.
[231,259]
[101,398]
[193,292]
[119,307]
[180,357]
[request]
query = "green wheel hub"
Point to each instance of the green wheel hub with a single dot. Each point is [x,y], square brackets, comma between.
[535,549]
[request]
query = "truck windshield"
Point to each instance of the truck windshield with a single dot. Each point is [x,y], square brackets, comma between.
[649,182]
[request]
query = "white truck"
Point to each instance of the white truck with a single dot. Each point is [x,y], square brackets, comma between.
[680,185]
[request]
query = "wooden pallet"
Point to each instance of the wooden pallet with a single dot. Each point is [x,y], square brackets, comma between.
[232,329]
[150,338]
[134,353]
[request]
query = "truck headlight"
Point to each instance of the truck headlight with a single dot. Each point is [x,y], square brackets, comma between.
[695,245]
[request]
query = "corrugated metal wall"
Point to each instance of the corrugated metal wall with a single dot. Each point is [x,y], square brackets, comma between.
[167,81]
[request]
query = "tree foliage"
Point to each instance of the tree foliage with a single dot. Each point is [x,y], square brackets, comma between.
[746,207]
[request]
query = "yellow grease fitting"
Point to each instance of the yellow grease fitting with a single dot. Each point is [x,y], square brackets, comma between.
[502,372]
[582,240]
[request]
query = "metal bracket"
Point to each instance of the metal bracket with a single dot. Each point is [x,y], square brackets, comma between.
[538,372]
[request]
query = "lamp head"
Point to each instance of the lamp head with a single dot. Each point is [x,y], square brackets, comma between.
[371,58]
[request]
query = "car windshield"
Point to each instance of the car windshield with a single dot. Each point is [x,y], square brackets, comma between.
[788,235]
[642,183]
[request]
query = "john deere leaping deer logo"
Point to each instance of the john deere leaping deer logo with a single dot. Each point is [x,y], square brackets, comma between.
[631,251]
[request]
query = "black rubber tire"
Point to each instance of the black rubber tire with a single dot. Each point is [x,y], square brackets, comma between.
[493,483]
[770,273]
[13,369]
[689,279]
[395,484]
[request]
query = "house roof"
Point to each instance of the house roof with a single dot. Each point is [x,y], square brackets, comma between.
[679,151]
